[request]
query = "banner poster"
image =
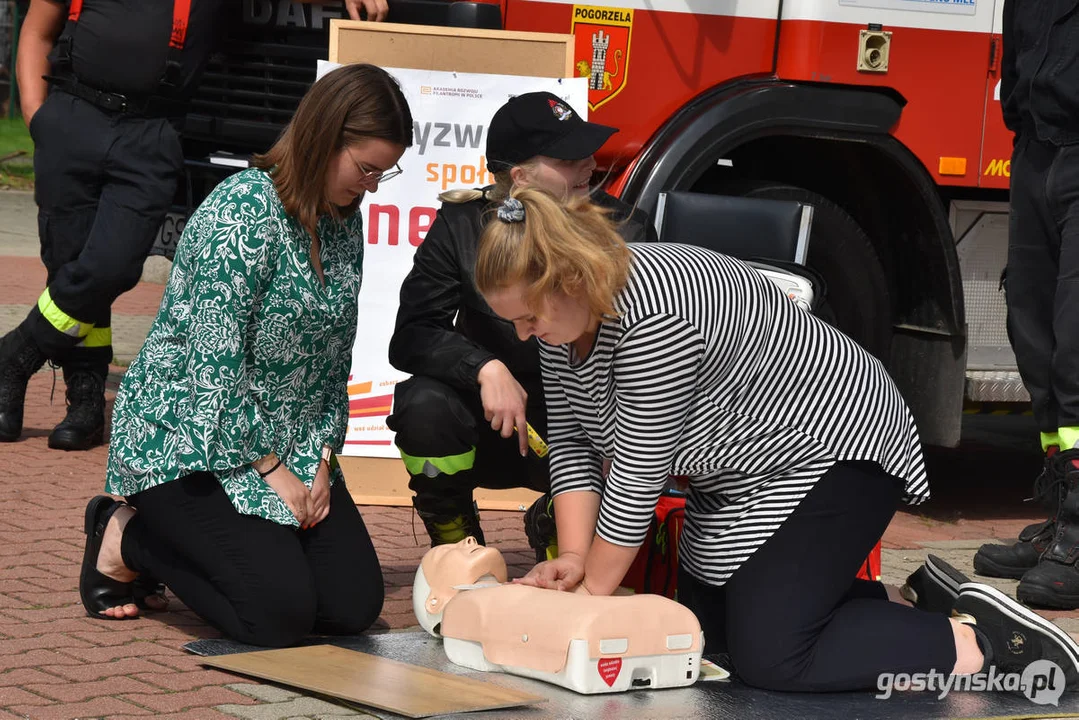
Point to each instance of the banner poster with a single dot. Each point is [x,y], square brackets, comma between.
[451,112]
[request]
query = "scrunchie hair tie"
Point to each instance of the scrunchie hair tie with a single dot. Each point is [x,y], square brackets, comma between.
[511,210]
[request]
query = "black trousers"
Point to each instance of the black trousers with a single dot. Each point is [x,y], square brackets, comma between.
[794,617]
[103,183]
[433,420]
[254,580]
[1043,278]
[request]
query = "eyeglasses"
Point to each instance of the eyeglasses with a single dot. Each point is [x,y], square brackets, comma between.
[374,176]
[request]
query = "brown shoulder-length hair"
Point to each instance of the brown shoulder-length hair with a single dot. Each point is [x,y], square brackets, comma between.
[347,105]
[570,246]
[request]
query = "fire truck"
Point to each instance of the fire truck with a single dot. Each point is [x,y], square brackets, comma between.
[883,114]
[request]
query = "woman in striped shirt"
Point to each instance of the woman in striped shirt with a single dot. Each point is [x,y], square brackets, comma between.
[674,360]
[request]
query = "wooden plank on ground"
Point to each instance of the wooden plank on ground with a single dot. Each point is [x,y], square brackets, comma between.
[373,681]
[384,481]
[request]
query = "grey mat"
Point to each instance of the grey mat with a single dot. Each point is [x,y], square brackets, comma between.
[703,700]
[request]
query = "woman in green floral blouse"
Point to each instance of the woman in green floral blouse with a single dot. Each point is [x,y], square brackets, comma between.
[225,425]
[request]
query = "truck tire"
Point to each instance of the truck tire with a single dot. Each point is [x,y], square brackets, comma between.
[857,300]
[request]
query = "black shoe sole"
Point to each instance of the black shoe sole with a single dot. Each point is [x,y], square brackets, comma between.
[1028,618]
[987,568]
[934,586]
[1045,598]
[65,442]
[944,575]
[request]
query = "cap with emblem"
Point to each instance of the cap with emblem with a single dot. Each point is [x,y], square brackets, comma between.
[541,123]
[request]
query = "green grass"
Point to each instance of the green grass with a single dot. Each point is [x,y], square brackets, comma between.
[16,155]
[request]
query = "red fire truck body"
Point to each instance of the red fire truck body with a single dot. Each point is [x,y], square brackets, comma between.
[884,113]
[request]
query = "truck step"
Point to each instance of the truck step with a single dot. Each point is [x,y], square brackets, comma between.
[1004,386]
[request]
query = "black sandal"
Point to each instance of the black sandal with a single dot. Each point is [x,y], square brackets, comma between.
[147,586]
[98,592]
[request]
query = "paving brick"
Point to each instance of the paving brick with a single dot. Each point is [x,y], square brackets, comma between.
[40,599]
[115,652]
[265,693]
[86,672]
[131,631]
[10,696]
[5,715]
[201,713]
[59,625]
[34,658]
[17,572]
[73,692]
[178,660]
[43,642]
[20,677]
[298,707]
[180,681]
[42,615]
[96,708]
[175,702]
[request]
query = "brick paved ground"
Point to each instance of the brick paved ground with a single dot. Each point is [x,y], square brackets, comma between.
[57,663]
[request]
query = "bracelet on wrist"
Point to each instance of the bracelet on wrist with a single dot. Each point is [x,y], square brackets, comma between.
[264,474]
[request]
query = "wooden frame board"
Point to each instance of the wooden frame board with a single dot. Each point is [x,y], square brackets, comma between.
[384,481]
[426,47]
[377,682]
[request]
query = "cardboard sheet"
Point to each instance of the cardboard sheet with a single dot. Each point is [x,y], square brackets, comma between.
[373,681]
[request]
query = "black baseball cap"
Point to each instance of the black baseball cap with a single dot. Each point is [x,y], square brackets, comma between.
[541,123]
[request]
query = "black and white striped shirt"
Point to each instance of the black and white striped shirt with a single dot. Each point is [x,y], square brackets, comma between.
[712,372]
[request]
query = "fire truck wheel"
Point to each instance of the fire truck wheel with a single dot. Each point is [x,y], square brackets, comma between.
[857,300]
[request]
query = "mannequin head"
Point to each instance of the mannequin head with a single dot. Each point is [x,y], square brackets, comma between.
[446,566]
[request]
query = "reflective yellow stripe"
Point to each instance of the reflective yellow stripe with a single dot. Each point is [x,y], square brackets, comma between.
[431,466]
[61,320]
[1069,437]
[1049,439]
[98,337]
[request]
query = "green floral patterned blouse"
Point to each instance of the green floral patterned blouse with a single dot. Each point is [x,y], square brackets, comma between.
[249,352]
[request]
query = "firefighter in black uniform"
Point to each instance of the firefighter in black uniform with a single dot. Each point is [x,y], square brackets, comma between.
[104,87]
[461,420]
[1040,100]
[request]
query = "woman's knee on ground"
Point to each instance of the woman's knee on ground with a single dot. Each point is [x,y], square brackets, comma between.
[279,613]
[350,613]
[769,654]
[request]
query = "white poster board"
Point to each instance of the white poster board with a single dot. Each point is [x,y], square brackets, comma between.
[451,112]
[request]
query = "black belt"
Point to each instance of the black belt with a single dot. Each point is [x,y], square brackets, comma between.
[148,105]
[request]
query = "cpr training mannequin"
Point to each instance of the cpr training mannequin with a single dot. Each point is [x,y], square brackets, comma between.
[585,643]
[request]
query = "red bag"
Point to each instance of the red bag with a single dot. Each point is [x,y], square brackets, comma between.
[655,569]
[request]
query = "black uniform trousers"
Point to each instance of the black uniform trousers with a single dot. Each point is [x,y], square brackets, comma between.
[103,183]
[433,420]
[1042,281]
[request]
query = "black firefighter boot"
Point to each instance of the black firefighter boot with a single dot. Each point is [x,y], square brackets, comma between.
[449,519]
[20,358]
[84,425]
[1013,561]
[1054,581]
